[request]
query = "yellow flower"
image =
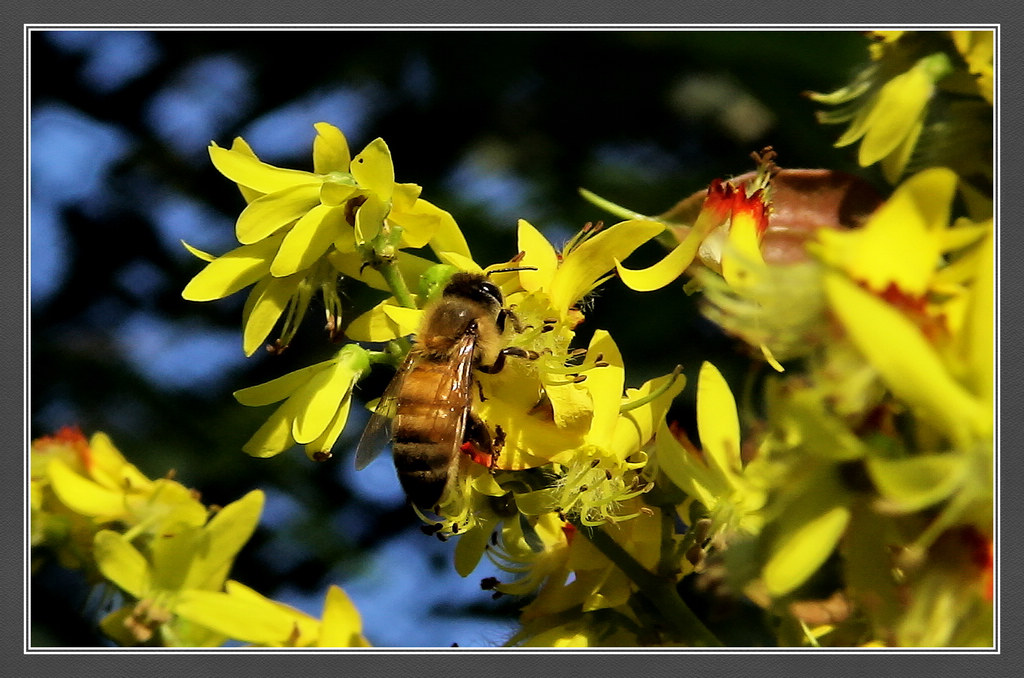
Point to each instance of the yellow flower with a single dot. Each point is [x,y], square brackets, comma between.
[79,486]
[903,308]
[715,476]
[301,229]
[241,613]
[163,575]
[317,401]
[889,106]
[976,48]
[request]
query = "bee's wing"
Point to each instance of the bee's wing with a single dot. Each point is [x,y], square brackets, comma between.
[458,392]
[377,433]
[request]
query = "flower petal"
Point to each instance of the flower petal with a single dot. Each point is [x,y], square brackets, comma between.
[233,271]
[82,495]
[324,443]
[340,624]
[269,299]
[634,428]
[718,423]
[899,106]
[308,239]
[321,395]
[374,170]
[121,563]
[539,254]
[809,535]
[911,484]
[245,619]
[448,237]
[228,530]
[605,385]
[265,216]
[901,242]
[377,324]
[278,389]
[370,218]
[586,264]
[243,168]
[275,435]
[330,149]
[205,256]
[907,362]
[419,223]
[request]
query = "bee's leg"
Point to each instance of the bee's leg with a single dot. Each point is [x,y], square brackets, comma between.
[477,441]
[508,314]
[499,362]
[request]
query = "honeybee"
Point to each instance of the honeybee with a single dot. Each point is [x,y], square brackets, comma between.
[426,409]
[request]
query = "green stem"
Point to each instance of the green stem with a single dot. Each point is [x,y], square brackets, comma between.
[393,277]
[660,591]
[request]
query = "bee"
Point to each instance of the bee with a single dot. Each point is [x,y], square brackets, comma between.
[426,409]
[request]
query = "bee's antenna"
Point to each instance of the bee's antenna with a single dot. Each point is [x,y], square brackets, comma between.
[510,270]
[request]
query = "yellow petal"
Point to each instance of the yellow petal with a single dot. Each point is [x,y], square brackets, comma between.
[539,254]
[448,237]
[321,395]
[239,145]
[808,537]
[375,325]
[901,242]
[370,219]
[662,273]
[336,190]
[900,104]
[269,299]
[686,471]
[373,169]
[82,495]
[275,435]
[121,563]
[330,149]
[460,261]
[605,385]
[265,216]
[718,423]
[228,531]
[907,362]
[123,476]
[419,223]
[306,242]
[243,168]
[408,319]
[239,618]
[976,339]
[324,443]
[233,271]
[586,264]
[340,623]
[281,387]
[896,162]
[914,483]
[205,256]
[635,427]
[470,546]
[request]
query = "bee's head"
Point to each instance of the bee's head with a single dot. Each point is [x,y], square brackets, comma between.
[475,287]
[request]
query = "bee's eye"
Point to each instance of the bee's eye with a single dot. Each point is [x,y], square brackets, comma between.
[491,290]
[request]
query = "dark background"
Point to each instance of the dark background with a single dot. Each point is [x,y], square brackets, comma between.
[495,125]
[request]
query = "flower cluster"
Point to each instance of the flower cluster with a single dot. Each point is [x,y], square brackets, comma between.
[849,492]
[166,553]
